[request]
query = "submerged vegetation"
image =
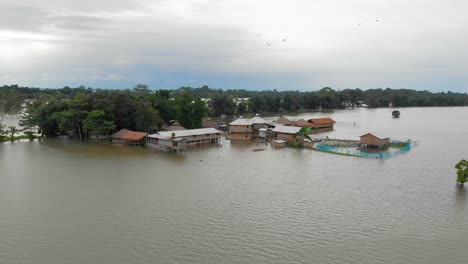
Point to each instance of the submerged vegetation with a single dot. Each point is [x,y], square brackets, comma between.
[462,172]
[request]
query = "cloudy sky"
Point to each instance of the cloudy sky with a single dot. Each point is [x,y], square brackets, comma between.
[417,44]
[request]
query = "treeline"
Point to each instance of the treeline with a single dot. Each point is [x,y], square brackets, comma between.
[86,111]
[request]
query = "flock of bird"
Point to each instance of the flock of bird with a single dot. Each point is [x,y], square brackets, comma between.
[284,39]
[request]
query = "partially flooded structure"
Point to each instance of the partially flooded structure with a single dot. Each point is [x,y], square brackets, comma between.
[371,141]
[179,140]
[286,133]
[241,129]
[317,124]
[246,129]
[128,137]
[322,124]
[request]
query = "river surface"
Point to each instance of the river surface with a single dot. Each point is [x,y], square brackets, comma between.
[69,203]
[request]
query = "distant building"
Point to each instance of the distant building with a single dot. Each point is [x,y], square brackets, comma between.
[322,124]
[286,133]
[317,124]
[211,124]
[174,127]
[128,137]
[301,123]
[371,141]
[179,140]
[284,121]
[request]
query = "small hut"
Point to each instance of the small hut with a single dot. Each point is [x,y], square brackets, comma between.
[286,133]
[128,137]
[302,123]
[322,124]
[284,121]
[175,127]
[371,141]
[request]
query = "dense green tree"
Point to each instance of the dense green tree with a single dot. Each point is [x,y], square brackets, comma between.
[241,108]
[222,104]
[93,123]
[462,172]
[190,111]
[142,90]
[162,101]
[146,117]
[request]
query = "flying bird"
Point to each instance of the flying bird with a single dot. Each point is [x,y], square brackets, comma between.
[258,35]
[268,44]
[284,40]
[376,20]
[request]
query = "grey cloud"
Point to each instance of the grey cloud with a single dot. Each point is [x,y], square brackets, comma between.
[22,18]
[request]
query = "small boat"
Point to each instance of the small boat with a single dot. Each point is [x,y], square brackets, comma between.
[396,114]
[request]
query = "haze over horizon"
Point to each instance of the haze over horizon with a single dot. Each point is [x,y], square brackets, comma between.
[254,45]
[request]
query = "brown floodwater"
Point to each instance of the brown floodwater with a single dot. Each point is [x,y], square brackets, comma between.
[67,202]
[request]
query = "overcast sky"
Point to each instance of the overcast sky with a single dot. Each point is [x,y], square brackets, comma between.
[417,44]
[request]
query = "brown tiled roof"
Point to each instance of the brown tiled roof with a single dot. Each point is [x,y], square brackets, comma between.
[129,135]
[284,121]
[322,121]
[302,123]
[372,135]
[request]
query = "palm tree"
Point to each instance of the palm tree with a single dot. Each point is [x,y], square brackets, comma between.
[300,135]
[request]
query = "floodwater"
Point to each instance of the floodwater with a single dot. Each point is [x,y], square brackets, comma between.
[65,202]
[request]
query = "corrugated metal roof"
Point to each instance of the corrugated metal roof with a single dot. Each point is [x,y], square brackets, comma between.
[158,136]
[287,129]
[258,120]
[189,132]
[241,122]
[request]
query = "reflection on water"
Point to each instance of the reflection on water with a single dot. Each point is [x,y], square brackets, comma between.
[63,201]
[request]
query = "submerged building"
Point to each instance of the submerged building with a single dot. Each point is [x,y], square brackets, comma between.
[128,137]
[371,141]
[322,124]
[246,129]
[181,139]
[286,133]
[317,124]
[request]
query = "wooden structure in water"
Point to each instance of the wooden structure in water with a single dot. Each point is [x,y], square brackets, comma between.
[396,114]
[371,141]
[128,137]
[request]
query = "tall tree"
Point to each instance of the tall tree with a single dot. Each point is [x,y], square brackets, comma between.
[146,117]
[190,111]
[222,104]
[93,123]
